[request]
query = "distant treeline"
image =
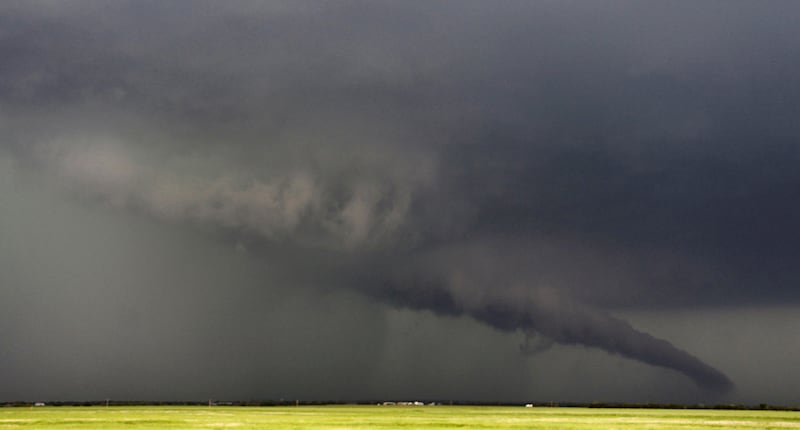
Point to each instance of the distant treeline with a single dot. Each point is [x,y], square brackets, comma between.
[762,406]
[282,402]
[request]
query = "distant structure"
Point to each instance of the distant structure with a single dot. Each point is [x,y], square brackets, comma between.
[39,404]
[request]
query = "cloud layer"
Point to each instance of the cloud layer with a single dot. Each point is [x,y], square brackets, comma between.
[529,166]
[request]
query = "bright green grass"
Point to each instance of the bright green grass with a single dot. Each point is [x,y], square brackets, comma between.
[386,417]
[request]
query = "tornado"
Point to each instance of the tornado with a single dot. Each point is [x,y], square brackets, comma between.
[565,322]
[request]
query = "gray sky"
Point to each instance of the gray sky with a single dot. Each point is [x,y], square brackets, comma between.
[505,201]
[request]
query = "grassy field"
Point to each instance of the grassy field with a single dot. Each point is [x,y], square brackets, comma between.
[386,417]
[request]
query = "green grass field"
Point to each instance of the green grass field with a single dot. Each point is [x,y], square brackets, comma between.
[386,417]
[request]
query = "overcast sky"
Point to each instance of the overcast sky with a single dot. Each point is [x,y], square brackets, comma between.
[472,200]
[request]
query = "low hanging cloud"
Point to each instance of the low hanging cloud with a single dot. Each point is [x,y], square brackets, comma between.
[546,315]
[297,204]
[359,215]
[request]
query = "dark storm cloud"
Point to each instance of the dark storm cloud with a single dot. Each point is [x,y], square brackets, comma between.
[467,159]
[565,322]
